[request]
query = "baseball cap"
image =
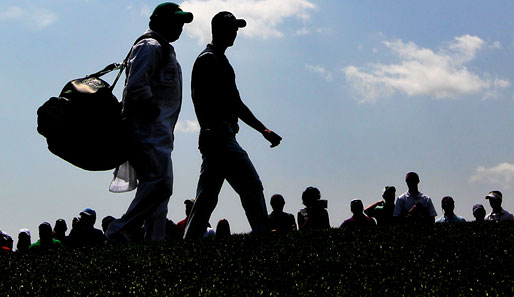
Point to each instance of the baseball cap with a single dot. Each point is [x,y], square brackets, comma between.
[494,195]
[189,202]
[26,231]
[227,19]
[88,212]
[171,10]
[477,207]
[45,226]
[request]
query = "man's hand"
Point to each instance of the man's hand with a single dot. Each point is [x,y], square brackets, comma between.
[272,137]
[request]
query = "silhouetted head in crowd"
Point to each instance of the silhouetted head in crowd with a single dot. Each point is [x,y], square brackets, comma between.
[168,19]
[277,202]
[412,180]
[88,217]
[60,227]
[45,233]
[223,228]
[6,242]
[357,207]
[479,212]
[495,200]
[172,231]
[448,205]
[310,196]
[224,29]
[106,221]
[389,194]
[24,240]
[189,206]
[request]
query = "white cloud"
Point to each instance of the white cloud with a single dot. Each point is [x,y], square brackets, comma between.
[321,31]
[422,71]
[34,18]
[327,75]
[494,92]
[262,16]
[325,31]
[302,31]
[463,49]
[499,175]
[187,126]
[496,45]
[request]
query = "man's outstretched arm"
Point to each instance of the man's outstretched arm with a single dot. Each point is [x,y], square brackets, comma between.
[246,115]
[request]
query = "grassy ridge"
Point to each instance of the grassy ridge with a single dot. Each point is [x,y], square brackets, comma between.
[459,260]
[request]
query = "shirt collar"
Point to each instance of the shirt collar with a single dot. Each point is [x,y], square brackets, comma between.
[408,194]
[156,33]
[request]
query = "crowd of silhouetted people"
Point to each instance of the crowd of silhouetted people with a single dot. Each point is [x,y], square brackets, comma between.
[412,207]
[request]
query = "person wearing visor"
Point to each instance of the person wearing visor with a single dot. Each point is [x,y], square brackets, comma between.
[497,213]
[218,108]
[151,104]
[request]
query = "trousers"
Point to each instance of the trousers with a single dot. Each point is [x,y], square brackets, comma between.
[149,208]
[223,159]
[153,166]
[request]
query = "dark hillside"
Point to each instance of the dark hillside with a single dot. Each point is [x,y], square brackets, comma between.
[443,260]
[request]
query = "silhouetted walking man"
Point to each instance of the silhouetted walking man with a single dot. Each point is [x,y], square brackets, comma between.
[218,107]
[151,103]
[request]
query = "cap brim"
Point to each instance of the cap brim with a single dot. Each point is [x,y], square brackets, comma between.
[184,16]
[88,213]
[240,23]
[492,197]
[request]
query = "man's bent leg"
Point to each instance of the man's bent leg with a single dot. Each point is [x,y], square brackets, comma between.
[243,177]
[209,186]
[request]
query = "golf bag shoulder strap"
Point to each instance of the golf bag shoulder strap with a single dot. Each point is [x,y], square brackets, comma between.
[120,66]
[163,42]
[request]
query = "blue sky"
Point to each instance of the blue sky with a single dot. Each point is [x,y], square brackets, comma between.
[361,91]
